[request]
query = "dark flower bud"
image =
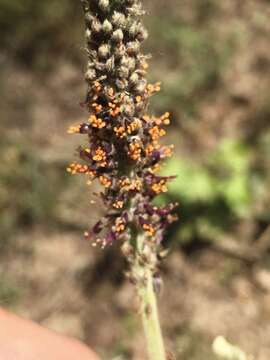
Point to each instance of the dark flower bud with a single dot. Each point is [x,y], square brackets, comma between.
[119,19]
[92,54]
[133,47]
[100,66]
[84,129]
[104,51]
[121,84]
[134,79]
[97,227]
[133,29]
[90,74]
[107,26]
[88,35]
[118,35]
[104,5]
[142,34]
[138,31]
[96,26]
[131,64]
[140,87]
[123,72]
[88,18]
[119,51]
[110,64]
[135,10]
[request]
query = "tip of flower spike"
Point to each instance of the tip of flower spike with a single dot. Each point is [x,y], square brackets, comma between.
[124,151]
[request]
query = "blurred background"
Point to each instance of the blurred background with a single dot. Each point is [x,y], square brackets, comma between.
[213,58]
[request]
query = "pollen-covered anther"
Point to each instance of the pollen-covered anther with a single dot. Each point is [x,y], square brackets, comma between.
[135,150]
[136,185]
[119,225]
[147,118]
[156,133]
[76,168]
[165,118]
[110,92]
[149,229]
[152,88]
[97,107]
[154,169]
[160,187]
[105,181]
[150,148]
[138,99]
[119,131]
[74,129]
[114,109]
[172,218]
[118,204]
[97,86]
[135,125]
[118,35]
[97,122]
[167,151]
[144,65]
[100,156]
[131,184]
[162,120]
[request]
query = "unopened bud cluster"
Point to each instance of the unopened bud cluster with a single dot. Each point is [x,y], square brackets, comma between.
[123,152]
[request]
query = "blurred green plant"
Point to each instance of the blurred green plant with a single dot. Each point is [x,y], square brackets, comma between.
[217,193]
[192,345]
[196,62]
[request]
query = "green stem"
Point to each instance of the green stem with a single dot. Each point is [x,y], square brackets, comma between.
[149,309]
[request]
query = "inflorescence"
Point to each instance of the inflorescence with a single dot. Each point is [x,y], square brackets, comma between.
[124,151]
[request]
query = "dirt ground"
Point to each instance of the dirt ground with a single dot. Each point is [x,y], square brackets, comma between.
[205,294]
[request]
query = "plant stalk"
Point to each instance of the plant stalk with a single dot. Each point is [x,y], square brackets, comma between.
[149,309]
